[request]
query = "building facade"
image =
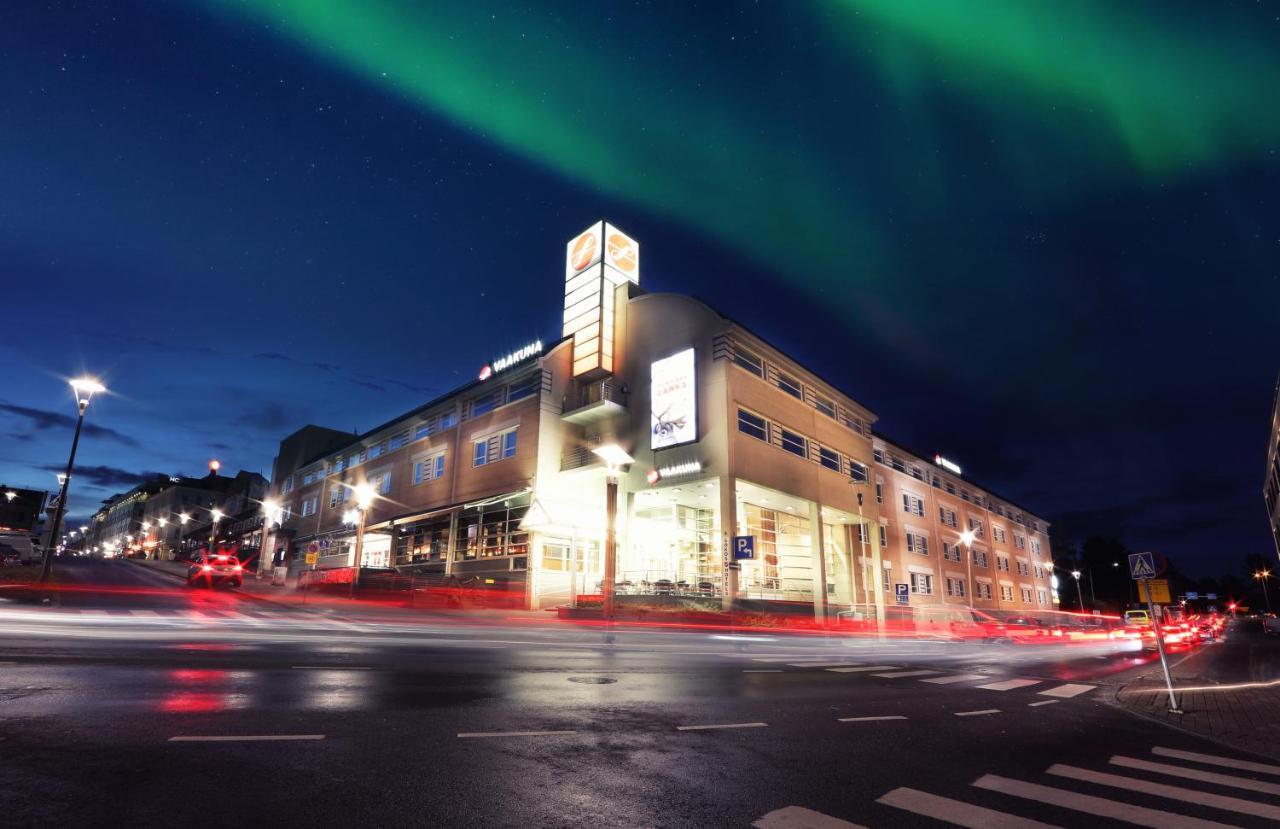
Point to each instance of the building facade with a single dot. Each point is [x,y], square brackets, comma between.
[498,482]
[20,508]
[1271,489]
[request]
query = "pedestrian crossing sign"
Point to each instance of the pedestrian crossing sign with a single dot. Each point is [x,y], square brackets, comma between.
[1142,565]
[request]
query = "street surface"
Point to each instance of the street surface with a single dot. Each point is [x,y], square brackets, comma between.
[155,705]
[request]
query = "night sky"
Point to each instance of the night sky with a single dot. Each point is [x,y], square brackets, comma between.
[1041,238]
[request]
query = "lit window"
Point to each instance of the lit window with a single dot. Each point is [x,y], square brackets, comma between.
[428,469]
[922,583]
[753,425]
[509,444]
[480,455]
[913,505]
[917,543]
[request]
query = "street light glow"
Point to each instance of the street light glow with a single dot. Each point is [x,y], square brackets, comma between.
[10,495]
[87,385]
[967,536]
[183,518]
[1075,574]
[217,514]
[613,455]
[364,496]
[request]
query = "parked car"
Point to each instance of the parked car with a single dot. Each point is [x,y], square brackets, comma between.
[1271,623]
[210,571]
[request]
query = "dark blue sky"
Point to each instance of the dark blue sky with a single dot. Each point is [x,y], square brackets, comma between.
[1060,272]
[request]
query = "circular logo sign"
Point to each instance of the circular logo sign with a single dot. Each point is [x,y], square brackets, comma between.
[622,253]
[583,250]
[486,372]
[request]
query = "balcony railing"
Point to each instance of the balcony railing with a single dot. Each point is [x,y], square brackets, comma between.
[592,395]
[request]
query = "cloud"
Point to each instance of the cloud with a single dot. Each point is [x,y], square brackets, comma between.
[273,355]
[268,416]
[108,477]
[42,419]
[366,384]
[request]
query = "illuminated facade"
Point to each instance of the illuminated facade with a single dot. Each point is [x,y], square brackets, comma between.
[1271,489]
[496,483]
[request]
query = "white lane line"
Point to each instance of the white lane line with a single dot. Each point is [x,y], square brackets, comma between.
[763,671]
[1214,760]
[840,664]
[798,817]
[1044,702]
[777,658]
[726,725]
[146,614]
[470,734]
[1067,691]
[1009,684]
[956,811]
[331,668]
[1197,774]
[947,680]
[247,738]
[862,669]
[1133,784]
[977,713]
[871,719]
[1091,805]
[901,674]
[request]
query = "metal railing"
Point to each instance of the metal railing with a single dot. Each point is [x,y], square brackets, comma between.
[602,391]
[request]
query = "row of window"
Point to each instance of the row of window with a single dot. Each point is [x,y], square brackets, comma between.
[792,385]
[922,585]
[919,472]
[750,423]
[914,505]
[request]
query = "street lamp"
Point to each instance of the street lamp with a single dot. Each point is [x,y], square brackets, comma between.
[614,457]
[1262,576]
[966,538]
[364,499]
[85,388]
[1075,574]
[217,516]
[183,518]
[10,495]
[272,514]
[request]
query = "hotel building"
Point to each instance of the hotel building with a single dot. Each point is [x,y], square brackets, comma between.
[497,483]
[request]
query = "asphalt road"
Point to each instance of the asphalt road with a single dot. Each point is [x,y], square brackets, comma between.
[420,723]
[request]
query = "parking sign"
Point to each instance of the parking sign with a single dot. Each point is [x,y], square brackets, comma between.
[744,547]
[902,593]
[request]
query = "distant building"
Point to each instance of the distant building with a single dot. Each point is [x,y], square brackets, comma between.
[499,484]
[1271,490]
[20,508]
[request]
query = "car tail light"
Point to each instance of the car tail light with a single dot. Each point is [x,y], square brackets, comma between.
[237,568]
[208,568]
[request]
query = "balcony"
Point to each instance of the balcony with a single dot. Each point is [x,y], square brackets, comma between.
[593,402]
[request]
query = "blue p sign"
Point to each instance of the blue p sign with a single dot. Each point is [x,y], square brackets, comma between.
[744,547]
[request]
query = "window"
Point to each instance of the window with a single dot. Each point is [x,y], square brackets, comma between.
[829,458]
[888,579]
[979,557]
[493,448]
[374,451]
[983,589]
[947,516]
[1020,541]
[1035,547]
[753,425]
[1044,597]
[951,551]
[912,505]
[424,430]
[448,420]
[428,469]
[879,491]
[1039,572]
[857,471]
[486,403]
[884,537]
[396,441]
[339,495]
[749,361]
[790,385]
[1023,569]
[922,583]
[917,543]
[997,534]
[309,478]
[877,455]
[524,388]
[1006,593]
[825,405]
[795,444]
[1026,595]
[955,587]
[381,483]
[976,526]
[309,506]
[1002,563]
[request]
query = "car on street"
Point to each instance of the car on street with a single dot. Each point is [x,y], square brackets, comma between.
[1271,623]
[211,571]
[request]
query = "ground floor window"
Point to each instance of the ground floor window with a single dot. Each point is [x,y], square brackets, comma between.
[423,541]
[493,530]
[783,557]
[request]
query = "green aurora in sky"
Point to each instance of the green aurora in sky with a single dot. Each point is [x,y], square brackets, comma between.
[719,133]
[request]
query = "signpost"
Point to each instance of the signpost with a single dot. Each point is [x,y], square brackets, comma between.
[1158,590]
[744,548]
[1192,596]
[902,593]
[1142,566]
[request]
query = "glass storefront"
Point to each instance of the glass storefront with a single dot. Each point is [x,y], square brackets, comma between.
[783,567]
[423,542]
[672,541]
[492,530]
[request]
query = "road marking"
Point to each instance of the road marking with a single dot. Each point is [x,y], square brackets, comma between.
[777,658]
[956,811]
[146,614]
[839,664]
[763,671]
[871,719]
[1091,805]
[1044,702]
[977,713]
[1214,760]
[1197,774]
[900,674]
[798,817]
[246,738]
[947,680]
[470,734]
[331,668]
[860,670]
[1215,801]
[1009,684]
[1067,691]
[726,725]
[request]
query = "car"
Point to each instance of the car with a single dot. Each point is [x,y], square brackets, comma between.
[1270,624]
[210,571]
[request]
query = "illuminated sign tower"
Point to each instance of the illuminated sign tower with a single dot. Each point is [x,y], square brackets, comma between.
[597,261]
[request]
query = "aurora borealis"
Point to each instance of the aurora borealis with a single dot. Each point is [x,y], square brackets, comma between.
[1040,237]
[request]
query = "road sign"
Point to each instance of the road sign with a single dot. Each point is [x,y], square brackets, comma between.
[1142,565]
[1213,597]
[744,547]
[1159,591]
[325,543]
[1192,596]
[311,558]
[902,593]
[313,548]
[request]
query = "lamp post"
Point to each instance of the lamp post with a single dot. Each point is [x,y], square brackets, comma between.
[213,531]
[364,499]
[164,538]
[614,457]
[183,518]
[85,388]
[1075,574]
[1262,576]
[966,538]
[272,513]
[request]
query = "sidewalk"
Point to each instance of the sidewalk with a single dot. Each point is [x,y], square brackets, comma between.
[1233,707]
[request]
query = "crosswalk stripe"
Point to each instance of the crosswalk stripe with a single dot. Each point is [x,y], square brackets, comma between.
[1100,806]
[1197,774]
[1214,760]
[1044,702]
[900,674]
[1067,691]
[956,811]
[1009,684]
[947,680]
[861,669]
[881,718]
[798,817]
[1215,801]
[978,713]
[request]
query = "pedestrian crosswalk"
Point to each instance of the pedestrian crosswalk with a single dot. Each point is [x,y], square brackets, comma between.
[1066,794]
[1047,688]
[204,617]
